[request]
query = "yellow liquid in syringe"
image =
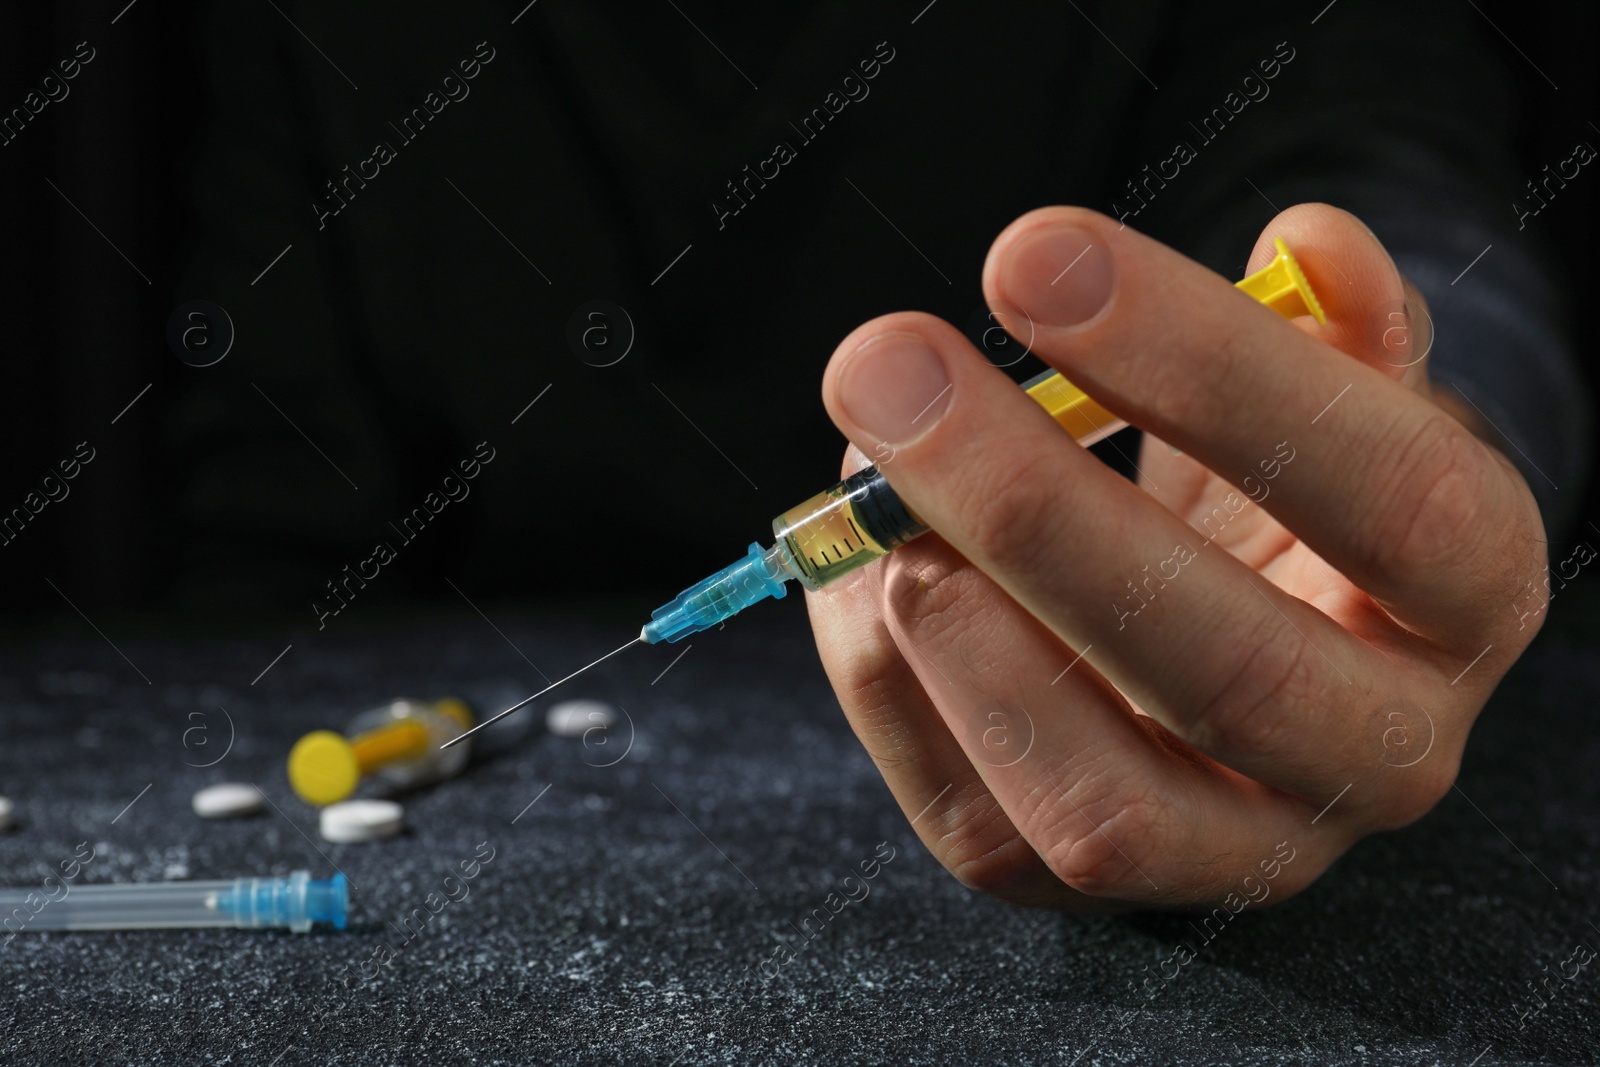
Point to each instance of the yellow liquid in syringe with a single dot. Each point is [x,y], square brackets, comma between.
[845,527]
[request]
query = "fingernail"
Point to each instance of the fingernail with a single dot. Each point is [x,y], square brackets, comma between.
[855,460]
[1059,275]
[894,387]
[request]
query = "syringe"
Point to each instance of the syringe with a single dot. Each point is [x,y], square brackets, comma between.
[862,518]
[295,902]
[401,742]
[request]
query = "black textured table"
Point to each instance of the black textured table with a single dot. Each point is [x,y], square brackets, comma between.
[634,913]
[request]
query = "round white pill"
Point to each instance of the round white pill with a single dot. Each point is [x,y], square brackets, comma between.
[6,809]
[360,820]
[574,718]
[226,800]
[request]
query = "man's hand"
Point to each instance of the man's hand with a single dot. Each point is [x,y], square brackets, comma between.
[1092,693]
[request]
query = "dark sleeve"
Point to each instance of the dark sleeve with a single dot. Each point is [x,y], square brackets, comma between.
[1403,115]
[1501,347]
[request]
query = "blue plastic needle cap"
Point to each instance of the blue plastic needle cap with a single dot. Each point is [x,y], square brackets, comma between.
[721,596]
[295,901]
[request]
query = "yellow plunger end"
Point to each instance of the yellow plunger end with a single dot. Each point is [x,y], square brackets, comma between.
[1282,287]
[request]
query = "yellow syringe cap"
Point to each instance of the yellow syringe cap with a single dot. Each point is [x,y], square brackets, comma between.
[323,768]
[1282,287]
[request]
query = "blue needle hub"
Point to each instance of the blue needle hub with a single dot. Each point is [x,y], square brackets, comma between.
[760,574]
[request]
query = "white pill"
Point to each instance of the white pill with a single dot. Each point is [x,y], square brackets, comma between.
[574,718]
[360,820]
[226,800]
[6,809]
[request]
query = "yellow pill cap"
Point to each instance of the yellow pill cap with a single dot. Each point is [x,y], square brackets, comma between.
[323,768]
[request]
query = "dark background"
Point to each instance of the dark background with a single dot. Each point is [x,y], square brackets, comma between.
[417,323]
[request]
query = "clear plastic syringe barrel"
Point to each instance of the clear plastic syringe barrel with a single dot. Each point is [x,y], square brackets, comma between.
[294,902]
[428,761]
[840,529]
[400,742]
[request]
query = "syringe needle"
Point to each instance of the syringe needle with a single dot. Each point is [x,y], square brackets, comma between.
[524,703]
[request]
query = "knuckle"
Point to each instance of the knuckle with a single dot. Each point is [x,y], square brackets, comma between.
[1173,398]
[876,710]
[1435,522]
[868,680]
[981,848]
[931,594]
[875,688]
[1009,513]
[1103,838]
[999,870]
[1418,790]
[1249,711]
[1520,553]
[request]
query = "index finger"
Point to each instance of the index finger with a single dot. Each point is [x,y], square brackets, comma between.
[1385,486]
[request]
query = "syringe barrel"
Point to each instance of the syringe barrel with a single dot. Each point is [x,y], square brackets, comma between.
[116,907]
[407,766]
[294,902]
[848,526]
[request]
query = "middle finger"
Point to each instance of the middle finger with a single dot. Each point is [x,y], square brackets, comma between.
[1222,657]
